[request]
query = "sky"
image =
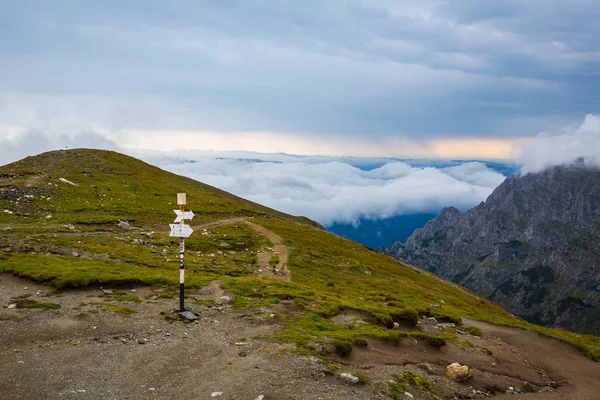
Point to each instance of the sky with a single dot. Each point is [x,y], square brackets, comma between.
[201,87]
[340,77]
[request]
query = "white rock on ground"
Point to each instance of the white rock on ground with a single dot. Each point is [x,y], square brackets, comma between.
[349,378]
[215,394]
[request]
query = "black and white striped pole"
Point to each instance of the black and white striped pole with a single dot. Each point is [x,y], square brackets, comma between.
[181,230]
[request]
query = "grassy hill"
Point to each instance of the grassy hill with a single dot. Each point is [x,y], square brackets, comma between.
[59,224]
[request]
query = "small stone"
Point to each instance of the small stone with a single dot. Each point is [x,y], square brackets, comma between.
[75,254]
[47,217]
[215,394]
[445,325]
[188,315]
[494,365]
[326,371]
[410,396]
[435,306]
[458,373]
[224,300]
[431,321]
[107,292]
[11,306]
[133,291]
[349,378]
[260,397]
[396,325]
[80,391]
[426,367]
[141,341]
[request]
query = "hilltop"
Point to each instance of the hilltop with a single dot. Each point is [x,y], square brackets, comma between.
[533,247]
[280,285]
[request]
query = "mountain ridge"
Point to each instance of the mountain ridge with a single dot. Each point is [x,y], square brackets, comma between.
[531,247]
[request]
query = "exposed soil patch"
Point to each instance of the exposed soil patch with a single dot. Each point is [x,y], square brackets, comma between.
[88,349]
[279,254]
[352,316]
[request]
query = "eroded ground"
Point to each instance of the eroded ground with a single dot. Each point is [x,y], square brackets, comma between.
[90,349]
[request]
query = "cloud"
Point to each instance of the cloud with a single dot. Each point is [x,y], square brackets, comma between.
[30,143]
[318,69]
[563,148]
[333,191]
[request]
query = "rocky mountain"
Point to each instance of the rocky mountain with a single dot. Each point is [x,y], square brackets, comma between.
[533,247]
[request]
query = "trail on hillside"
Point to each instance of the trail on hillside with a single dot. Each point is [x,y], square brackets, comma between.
[280,250]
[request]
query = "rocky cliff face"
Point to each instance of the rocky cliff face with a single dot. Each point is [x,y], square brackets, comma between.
[533,247]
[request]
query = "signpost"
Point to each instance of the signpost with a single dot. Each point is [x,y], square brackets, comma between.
[181,230]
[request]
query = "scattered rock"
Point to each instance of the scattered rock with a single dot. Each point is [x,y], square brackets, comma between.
[445,325]
[410,396]
[326,371]
[47,217]
[396,325]
[494,365]
[188,315]
[124,224]
[7,229]
[528,388]
[224,300]
[426,367]
[63,180]
[435,306]
[133,290]
[458,373]
[260,397]
[141,341]
[348,377]
[107,292]
[75,254]
[11,306]
[430,321]
[215,394]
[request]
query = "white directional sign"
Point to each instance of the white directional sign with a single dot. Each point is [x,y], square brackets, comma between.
[180,230]
[181,215]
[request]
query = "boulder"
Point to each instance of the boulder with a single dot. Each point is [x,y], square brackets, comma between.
[458,373]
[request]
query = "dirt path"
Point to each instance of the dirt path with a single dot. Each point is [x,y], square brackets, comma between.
[280,269]
[562,363]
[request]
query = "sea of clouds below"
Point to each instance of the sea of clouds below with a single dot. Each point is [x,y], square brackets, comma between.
[334,189]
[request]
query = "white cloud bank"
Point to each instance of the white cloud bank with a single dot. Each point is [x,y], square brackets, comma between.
[564,148]
[338,192]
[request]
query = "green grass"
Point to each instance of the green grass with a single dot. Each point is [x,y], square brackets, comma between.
[26,302]
[417,381]
[330,274]
[396,390]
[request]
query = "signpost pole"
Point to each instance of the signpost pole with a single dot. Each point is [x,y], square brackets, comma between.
[181,202]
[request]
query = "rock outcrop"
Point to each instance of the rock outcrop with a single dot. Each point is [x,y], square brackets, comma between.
[533,247]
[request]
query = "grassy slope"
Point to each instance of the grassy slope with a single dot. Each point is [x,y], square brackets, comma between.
[329,273]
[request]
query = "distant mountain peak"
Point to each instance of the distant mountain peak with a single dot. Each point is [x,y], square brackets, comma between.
[533,247]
